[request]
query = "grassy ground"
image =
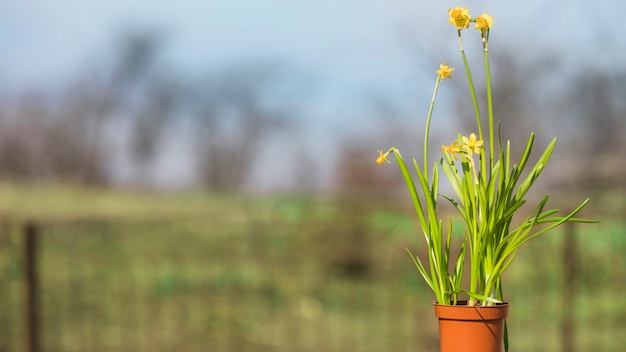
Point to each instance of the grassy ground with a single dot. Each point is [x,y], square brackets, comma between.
[140,272]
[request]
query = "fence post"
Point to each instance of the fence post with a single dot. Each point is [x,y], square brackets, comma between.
[31,236]
[570,266]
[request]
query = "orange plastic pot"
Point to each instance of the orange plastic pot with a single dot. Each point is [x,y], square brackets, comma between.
[471,329]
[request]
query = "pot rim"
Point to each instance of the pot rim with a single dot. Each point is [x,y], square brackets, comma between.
[465,312]
[463,303]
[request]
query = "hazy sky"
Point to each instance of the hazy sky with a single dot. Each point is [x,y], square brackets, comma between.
[340,40]
[348,47]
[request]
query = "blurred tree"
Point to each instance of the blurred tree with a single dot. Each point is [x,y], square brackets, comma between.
[71,136]
[128,90]
[92,107]
[359,176]
[596,113]
[36,145]
[362,187]
[519,102]
[233,111]
[20,136]
[161,101]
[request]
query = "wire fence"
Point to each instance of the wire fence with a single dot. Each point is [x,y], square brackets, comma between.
[276,286]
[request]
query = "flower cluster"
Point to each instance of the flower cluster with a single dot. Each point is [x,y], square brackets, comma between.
[461,18]
[468,147]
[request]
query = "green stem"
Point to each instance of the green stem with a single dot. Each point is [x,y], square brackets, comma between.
[427,130]
[470,82]
[485,38]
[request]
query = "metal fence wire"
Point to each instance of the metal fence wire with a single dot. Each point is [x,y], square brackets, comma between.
[272,284]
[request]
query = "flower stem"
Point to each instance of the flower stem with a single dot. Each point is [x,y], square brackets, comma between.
[427,130]
[474,101]
[485,39]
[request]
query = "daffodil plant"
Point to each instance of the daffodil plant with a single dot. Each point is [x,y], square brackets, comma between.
[489,190]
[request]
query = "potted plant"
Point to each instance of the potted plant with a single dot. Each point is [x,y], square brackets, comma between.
[489,189]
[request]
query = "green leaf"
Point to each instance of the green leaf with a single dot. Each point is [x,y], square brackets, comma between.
[481,297]
[506,337]
[422,271]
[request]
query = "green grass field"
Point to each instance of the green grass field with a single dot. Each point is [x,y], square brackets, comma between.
[125,271]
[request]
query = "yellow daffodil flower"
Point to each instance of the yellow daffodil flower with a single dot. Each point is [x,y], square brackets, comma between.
[445,71]
[459,17]
[484,22]
[454,149]
[382,157]
[473,145]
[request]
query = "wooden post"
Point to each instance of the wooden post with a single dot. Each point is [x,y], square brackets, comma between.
[570,268]
[31,235]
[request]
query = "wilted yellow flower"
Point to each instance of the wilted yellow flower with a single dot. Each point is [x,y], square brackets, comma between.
[472,144]
[484,22]
[382,157]
[459,17]
[453,149]
[445,71]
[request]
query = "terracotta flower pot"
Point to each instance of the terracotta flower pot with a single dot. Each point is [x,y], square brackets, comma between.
[471,329]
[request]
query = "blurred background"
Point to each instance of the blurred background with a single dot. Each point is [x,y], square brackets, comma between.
[201,176]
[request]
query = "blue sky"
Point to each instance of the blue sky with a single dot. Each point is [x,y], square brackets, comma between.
[349,47]
[337,39]
[341,40]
